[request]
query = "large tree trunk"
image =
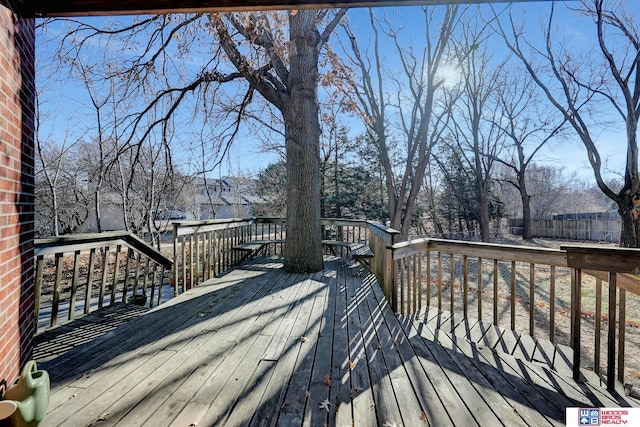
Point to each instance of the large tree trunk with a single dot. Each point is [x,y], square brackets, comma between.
[96,201]
[484,221]
[629,215]
[526,205]
[303,246]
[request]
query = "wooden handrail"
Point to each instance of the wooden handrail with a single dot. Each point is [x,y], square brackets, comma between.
[79,242]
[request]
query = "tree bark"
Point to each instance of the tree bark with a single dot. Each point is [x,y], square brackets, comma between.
[303,247]
[526,204]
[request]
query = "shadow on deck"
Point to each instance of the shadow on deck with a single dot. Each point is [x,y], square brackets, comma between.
[258,346]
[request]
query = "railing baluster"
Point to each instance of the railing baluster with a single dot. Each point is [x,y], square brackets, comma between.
[177,266]
[116,274]
[403,275]
[183,265]
[452,280]
[74,285]
[160,283]
[552,303]
[105,274]
[513,295]
[532,297]
[87,295]
[145,282]
[622,323]
[428,268]
[127,272]
[465,285]
[195,279]
[211,258]
[576,306]
[216,253]
[153,284]
[611,337]
[57,289]
[38,290]
[192,272]
[495,291]
[439,281]
[136,276]
[479,288]
[597,327]
[419,282]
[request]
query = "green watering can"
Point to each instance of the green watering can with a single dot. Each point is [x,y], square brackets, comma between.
[26,399]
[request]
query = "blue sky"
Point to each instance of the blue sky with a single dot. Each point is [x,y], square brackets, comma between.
[67,103]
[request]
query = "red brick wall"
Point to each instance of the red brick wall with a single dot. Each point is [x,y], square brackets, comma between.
[17,97]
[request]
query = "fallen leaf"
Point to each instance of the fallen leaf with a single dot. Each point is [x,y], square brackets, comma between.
[351,364]
[102,417]
[423,417]
[293,12]
[327,380]
[304,339]
[325,404]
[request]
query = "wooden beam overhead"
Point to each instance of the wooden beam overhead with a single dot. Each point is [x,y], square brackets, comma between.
[46,8]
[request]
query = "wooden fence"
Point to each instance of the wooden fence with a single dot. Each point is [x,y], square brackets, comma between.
[595,230]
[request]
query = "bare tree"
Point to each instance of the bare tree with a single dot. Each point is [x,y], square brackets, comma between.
[420,120]
[474,131]
[274,57]
[293,91]
[577,84]
[528,127]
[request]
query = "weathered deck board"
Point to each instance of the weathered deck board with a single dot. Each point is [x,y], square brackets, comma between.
[53,343]
[258,346]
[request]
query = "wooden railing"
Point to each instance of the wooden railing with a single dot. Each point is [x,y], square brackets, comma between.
[514,286]
[618,267]
[83,272]
[204,249]
[509,281]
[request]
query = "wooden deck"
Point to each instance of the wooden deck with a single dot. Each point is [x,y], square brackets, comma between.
[258,346]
